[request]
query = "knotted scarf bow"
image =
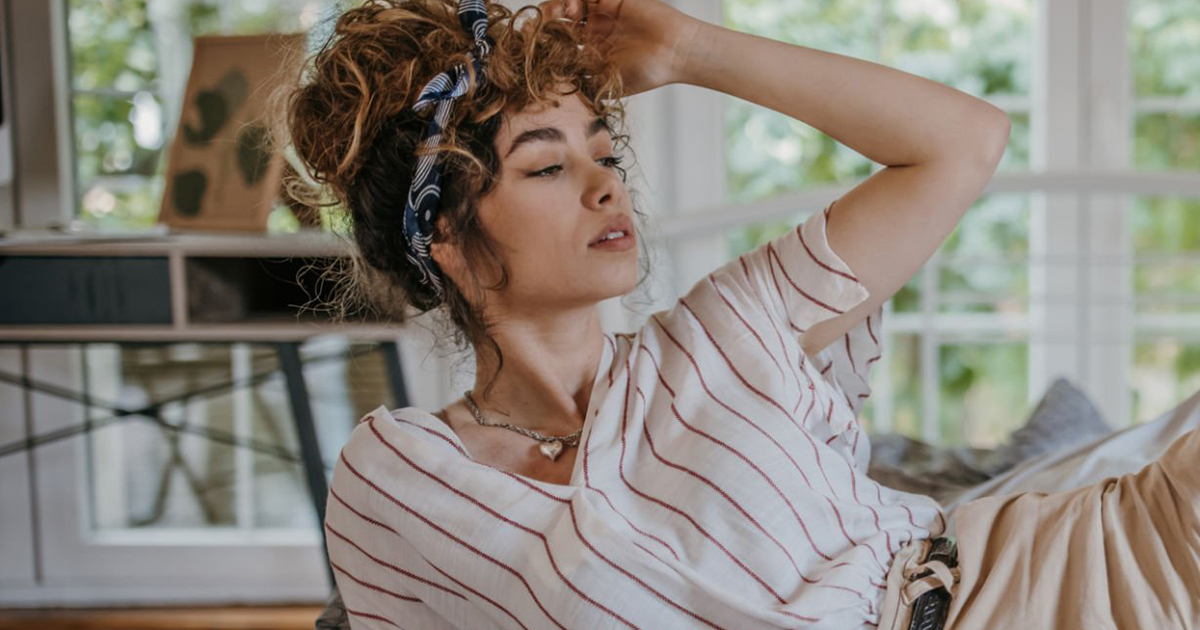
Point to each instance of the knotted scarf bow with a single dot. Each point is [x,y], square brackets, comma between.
[421,207]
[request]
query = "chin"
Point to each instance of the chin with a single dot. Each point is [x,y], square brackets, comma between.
[607,288]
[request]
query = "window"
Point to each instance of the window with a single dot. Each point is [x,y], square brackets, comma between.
[1165,230]
[1078,261]
[979,282]
[129,62]
[1033,283]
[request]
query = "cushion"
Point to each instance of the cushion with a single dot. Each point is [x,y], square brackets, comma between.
[1065,416]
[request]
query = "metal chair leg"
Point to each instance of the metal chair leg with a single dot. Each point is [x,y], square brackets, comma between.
[310,448]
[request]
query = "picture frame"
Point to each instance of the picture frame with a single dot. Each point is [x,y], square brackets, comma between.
[220,174]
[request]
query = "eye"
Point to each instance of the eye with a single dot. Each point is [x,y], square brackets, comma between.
[546,171]
[612,161]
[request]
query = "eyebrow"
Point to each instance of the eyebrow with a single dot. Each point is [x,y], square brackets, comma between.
[552,134]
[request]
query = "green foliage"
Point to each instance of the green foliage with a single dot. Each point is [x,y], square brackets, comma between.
[112,44]
[1167,141]
[1164,38]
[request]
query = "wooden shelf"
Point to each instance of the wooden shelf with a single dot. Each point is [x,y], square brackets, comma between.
[186,287]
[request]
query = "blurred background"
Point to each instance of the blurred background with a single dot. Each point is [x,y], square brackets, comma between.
[1081,260]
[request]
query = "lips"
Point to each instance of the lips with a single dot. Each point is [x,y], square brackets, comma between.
[620,223]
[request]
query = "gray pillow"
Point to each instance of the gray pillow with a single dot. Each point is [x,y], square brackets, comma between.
[1064,416]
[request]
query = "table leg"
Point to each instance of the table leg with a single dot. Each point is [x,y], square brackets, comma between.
[391,356]
[310,448]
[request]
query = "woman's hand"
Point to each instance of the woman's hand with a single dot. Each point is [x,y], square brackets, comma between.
[648,40]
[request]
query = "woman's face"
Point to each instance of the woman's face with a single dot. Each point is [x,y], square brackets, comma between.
[557,193]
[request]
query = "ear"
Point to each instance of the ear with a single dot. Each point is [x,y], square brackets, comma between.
[446,253]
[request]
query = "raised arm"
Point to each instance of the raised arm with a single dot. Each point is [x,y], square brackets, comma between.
[940,147]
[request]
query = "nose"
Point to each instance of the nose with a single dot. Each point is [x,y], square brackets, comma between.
[603,187]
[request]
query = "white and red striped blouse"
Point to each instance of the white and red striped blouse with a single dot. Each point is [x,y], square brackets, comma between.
[720,482]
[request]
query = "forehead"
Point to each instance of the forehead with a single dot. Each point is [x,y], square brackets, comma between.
[568,113]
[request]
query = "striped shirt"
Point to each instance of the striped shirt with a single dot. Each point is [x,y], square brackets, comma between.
[720,480]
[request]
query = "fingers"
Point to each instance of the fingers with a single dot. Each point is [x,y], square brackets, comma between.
[573,10]
[551,9]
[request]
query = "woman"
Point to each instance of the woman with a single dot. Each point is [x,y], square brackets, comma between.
[706,470]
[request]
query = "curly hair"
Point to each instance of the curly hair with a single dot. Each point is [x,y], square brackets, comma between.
[350,121]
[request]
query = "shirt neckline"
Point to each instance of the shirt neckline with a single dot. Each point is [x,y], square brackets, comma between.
[607,355]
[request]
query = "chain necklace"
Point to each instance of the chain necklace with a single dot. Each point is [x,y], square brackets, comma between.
[550,445]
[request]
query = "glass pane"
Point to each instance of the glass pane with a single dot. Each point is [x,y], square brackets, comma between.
[1166,225]
[118,154]
[984,288]
[126,202]
[996,225]
[169,476]
[983,267]
[745,238]
[112,45]
[1164,36]
[768,153]
[1167,141]
[842,26]
[117,136]
[1164,372]
[1166,240]
[280,16]
[908,298]
[983,392]
[902,360]
[181,471]
[982,47]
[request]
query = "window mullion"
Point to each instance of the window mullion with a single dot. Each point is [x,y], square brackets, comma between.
[1110,305]
[1058,136]
[700,178]
[930,368]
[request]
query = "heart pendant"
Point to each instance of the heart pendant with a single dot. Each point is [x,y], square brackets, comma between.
[551,449]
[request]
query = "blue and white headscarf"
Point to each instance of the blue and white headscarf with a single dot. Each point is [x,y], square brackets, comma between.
[421,207]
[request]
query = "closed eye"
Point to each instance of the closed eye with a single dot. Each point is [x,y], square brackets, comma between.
[612,161]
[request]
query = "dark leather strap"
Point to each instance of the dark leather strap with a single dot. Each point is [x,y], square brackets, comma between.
[929,610]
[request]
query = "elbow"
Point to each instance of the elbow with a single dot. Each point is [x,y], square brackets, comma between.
[995,128]
[977,138]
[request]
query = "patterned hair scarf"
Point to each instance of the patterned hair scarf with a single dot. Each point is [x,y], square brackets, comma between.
[421,207]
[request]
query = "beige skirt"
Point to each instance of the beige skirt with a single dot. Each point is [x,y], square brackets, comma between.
[1121,553]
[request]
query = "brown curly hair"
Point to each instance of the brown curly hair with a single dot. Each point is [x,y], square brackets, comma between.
[350,122]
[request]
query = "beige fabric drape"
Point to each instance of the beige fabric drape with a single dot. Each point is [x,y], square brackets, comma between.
[1122,553]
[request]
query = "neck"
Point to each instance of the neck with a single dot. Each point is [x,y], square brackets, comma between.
[549,367]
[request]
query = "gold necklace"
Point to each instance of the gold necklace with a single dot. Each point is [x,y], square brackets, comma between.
[550,445]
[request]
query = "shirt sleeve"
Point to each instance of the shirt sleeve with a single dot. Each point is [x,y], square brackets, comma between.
[801,281]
